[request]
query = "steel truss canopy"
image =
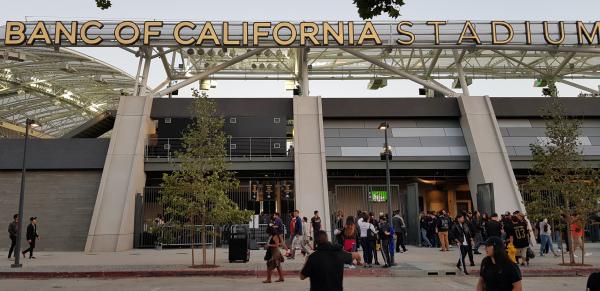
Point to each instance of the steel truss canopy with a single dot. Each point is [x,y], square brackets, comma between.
[420,51]
[60,88]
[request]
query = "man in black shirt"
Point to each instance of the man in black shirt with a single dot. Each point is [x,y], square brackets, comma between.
[315,223]
[493,227]
[463,238]
[325,267]
[32,236]
[519,237]
[12,234]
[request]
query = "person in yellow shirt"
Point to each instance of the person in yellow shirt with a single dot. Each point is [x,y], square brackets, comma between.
[512,252]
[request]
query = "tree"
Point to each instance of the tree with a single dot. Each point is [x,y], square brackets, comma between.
[561,186]
[195,193]
[103,4]
[368,9]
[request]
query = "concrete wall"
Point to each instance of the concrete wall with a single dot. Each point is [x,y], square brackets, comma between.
[63,201]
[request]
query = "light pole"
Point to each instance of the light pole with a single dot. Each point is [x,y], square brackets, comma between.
[29,123]
[387,152]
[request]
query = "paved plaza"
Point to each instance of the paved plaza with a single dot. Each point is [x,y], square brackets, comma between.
[414,263]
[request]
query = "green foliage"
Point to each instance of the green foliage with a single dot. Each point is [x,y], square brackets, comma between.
[368,9]
[103,4]
[196,191]
[561,184]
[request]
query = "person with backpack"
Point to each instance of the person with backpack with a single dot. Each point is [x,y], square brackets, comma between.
[546,237]
[367,239]
[442,228]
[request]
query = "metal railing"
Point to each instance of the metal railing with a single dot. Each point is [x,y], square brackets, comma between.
[236,147]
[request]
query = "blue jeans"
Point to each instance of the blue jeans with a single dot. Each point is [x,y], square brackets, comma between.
[546,240]
[424,240]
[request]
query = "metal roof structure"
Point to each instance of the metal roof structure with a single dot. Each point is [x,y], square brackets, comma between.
[64,88]
[60,88]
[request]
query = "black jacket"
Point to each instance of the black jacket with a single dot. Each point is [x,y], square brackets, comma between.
[12,230]
[460,233]
[31,232]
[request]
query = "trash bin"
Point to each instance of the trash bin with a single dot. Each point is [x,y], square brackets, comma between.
[238,244]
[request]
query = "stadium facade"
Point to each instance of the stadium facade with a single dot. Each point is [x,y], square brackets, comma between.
[106,138]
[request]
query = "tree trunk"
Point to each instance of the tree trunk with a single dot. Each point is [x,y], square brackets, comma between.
[562,249]
[203,241]
[570,240]
[193,239]
[583,246]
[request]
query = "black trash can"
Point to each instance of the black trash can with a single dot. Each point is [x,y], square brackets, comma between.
[238,244]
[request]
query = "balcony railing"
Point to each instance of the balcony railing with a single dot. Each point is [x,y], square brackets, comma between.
[236,147]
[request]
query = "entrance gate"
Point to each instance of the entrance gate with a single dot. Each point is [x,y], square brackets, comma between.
[350,198]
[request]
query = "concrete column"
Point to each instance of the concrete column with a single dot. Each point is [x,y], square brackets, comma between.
[452,202]
[310,172]
[112,224]
[489,160]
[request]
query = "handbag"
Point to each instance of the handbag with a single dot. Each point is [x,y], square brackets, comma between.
[530,253]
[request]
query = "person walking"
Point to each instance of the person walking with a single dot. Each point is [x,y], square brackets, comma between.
[280,230]
[296,234]
[497,271]
[400,230]
[546,238]
[423,228]
[325,267]
[367,239]
[12,235]
[32,236]
[273,255]
[315,224]
[385,235]
[476,227]
[305,244]
[463,238]
[493,227]
[518,235]
[577,235]
[431,235]
[442,228]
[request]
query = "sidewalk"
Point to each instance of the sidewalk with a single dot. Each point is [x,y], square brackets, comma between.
[176,262]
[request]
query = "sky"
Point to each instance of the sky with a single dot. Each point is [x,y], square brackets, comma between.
[307,10]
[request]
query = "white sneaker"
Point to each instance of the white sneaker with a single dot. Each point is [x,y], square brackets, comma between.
[576,256]
[588,254]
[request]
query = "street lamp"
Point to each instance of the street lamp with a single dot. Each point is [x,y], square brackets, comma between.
[387,152]
[29,123]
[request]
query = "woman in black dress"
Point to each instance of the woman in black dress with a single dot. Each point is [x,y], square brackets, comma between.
[498,272]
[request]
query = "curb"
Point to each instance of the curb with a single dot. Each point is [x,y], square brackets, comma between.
[574,272]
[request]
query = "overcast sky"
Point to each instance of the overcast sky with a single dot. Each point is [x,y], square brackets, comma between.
[278,10]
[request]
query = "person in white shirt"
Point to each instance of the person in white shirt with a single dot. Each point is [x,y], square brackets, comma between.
[367,239]
[546,237]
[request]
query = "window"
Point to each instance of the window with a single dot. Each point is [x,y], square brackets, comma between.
[276,145]
[232,120]
[168,120]
[233,146]
[276,120]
